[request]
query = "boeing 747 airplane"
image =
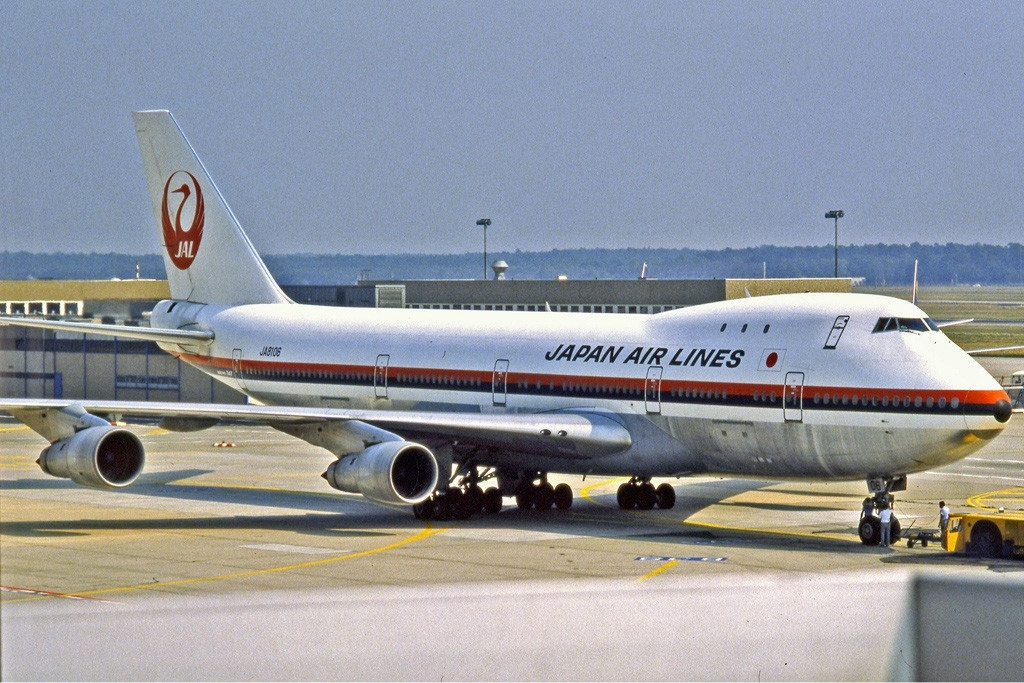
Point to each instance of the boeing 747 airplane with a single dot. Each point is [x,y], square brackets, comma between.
[423,407]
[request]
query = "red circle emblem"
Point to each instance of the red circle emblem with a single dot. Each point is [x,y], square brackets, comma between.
[771,360]
[182,243]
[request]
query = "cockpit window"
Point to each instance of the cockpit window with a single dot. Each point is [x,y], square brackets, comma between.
[905,325]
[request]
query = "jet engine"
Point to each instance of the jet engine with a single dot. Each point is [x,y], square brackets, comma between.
[391,472]
[102,457]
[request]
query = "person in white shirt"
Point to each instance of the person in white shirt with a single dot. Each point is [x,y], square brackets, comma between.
[943,521]
[885,517]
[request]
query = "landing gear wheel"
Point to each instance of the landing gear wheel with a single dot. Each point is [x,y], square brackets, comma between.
[524,497]
[870,531]
[424,510]
[563,497]
[544,496]
[474,499]
[459,504]
[646,496]
[894,530]
[492,500]
[442,508]
[626,496]
[666,496]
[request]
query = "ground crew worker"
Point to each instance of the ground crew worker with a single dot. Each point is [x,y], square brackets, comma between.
[885,517]
[943,521]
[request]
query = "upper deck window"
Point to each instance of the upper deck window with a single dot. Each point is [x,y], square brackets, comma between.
[905,325]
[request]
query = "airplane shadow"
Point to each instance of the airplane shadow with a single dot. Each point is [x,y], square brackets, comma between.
[332,514]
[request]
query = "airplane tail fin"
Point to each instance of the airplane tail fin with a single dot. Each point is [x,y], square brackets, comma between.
[208,257]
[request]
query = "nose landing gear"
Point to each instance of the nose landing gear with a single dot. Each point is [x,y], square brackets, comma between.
[870,526]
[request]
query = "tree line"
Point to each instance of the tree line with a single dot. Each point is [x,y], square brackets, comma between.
[878,264]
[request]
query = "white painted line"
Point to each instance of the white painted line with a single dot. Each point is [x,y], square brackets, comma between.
[647,558]
[297,549]
[1000,462]
[507,536]
[1017,480]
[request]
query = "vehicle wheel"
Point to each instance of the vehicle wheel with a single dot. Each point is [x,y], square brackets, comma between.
[544,496]
[424,510]
[666,496]
[870,530]
[924,544]
[492,500]
[563,496]
[910,543]
[986,540]
[626,496]
[646,497]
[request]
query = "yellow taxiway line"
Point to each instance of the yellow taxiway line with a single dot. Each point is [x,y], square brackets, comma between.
[1015,494]
[427,532]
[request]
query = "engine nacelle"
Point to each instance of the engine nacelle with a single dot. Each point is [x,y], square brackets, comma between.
[390,472]
[105,457]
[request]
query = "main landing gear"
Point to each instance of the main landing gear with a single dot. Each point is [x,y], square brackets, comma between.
[870,527]
[640,493]
[465,497]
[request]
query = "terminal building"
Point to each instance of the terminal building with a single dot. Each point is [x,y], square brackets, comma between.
[47,364]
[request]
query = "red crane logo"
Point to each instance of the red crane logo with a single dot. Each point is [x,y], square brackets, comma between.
[182,244]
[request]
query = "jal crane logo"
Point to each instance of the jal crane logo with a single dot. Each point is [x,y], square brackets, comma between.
[182,243]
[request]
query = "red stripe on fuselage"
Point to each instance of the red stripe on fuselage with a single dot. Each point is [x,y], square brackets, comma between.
[670,388]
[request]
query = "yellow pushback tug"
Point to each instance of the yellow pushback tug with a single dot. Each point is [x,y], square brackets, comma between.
[986,534]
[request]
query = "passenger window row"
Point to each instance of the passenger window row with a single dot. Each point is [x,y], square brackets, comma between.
[885,401]
[710,394]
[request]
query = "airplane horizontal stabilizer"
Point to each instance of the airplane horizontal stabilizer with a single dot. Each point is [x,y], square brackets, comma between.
[167,336]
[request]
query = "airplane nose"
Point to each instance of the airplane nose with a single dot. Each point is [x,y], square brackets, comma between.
[1002,411]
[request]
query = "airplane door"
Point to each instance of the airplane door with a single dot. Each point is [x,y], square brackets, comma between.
[499,382]
[652,390]
[236,366]
[793,397]
[380,376]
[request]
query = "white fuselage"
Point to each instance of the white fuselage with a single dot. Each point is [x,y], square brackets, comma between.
[783,386]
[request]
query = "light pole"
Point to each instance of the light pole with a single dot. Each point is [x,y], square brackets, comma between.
[836,214]
[485,222]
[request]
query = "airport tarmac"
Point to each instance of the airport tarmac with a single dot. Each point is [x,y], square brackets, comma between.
[230,531]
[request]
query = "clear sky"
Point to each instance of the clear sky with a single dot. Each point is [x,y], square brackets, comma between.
[376,127]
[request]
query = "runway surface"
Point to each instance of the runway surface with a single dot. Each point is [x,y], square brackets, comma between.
[238,561]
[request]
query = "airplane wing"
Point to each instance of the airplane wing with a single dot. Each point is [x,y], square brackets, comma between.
[143,333]
[974,352]
[569,434]
[952,323]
